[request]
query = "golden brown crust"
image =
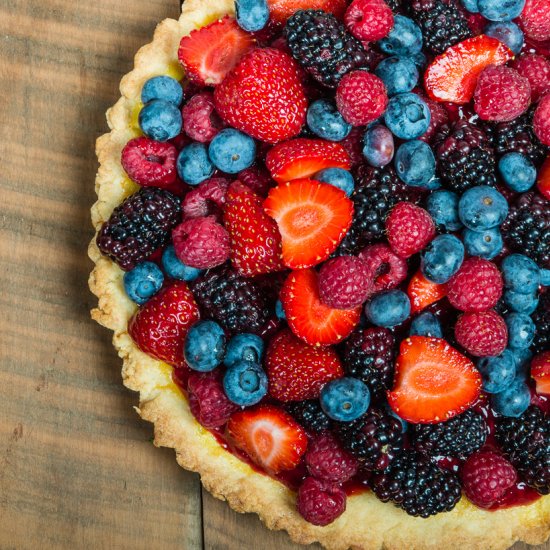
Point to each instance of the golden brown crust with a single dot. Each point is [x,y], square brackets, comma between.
[367,523]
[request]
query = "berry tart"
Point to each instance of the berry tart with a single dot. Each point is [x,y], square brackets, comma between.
[323,245]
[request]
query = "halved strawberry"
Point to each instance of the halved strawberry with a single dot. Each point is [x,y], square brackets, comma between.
[281,10]
[209,53]
[423,293]
[452,76]
[433,381]
[540,372]
[269,436]
[302,157]
[312,217]
[310,319]
[543,180]
[255,239]
[297,371]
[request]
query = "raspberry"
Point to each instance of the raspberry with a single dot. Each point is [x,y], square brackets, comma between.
[149,162]
[385,269]
[320,502]
[541,120]
[344,282]
[200,120]
[201,242]
[369,20]
[534,19]
[486,476]
[409,229]
[536,69]
[482,333]
[361,97]
[353,144]
[477,286]
[207,400]
[326,460]
[206,199]
[256,178]
[501,94]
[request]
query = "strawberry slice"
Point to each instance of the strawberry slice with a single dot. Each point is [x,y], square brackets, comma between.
[312,217]
[255,239]
[297,371]
[269,436]
[423,293]
[209,53]
[540,372]
[433,381]
[281,10]
[452,76]
[310,319]
[302,157]
[159,327]
[543,180]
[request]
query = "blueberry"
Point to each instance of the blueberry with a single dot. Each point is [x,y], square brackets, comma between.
[388,309]
[399,74]
[279,310]
[244,347]
[470,5]
[522,358]
[162,87]
[245,383]
[415,163]
[517,171]
[407,116]
[232,151]
[420,59]
[194,164]
[514,400]
[507,32]
[405,39]
[486,244]
[521,303]
[500,10]
[482,207]
[433,184]
[204,346]
[324,120]
[345,399]
[252,15]
[426,324]
[160,120]
[143,282]
[175,268]
[520,273]
[443,208]
[497,373]
[378,146]
[338,177]
[521,330]
[545,277]
[442,258]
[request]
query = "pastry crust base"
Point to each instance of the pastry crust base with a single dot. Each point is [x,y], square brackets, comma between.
[367,523]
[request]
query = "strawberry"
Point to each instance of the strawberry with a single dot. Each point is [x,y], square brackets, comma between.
[423,293]
[433,381]
[159,327]
[543,179]
[252,100]
[269,436]
[255,239]
[297,371]
[312,217]
[310,319]
[302,157]
[281,10]
[209,53]
[540,372]
[452,76]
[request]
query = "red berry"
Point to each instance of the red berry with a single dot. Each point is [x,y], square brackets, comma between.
[150,162]
[477,286]
[501,94]
[200,120]
[541,120]
[361,97]
[482,333]
[535,19]
[353,144]
[320,502]
[369,20]
[281,10]
[206,199]
[257,179]
[438,116]
[536,69]
[540,372]
[325,459]
[486,476]
[423,293]
[543,179]
[385,268]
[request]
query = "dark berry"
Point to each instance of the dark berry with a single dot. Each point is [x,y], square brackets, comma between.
[541,317]
[310,415]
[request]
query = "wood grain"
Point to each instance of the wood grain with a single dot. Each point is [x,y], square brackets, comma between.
[77,466]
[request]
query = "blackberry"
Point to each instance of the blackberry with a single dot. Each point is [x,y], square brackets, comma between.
[375,439]
[138,226]
[310,415]
[418,486]
[460,436]
[237,303]
[526,442]
[541,317]
[321,44]
[442,24]
[395,5]
[369,355]
[527,228]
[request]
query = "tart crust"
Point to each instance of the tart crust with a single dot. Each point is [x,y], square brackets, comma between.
[367,524]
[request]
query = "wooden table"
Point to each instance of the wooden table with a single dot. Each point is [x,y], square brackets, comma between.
[77,466]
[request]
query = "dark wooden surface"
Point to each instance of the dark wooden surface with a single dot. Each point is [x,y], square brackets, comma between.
[77,466]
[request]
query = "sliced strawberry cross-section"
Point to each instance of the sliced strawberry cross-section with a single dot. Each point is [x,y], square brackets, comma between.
[423,293]
[281,10]
[543,179]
